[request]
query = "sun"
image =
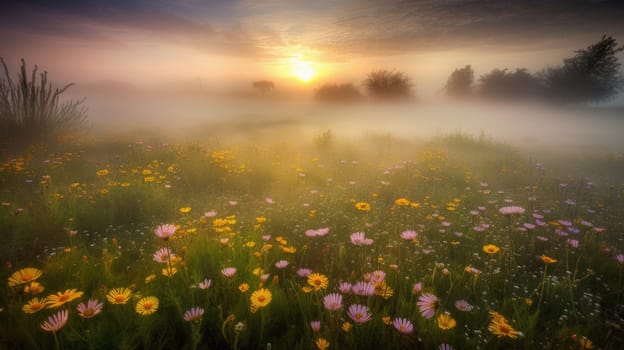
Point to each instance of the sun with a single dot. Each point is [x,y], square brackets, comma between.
[304,71]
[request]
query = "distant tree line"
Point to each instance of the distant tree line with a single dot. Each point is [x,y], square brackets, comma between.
[591,75]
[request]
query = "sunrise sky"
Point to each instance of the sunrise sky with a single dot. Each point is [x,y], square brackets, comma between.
[292,42]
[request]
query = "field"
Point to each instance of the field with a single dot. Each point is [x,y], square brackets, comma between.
[311,242]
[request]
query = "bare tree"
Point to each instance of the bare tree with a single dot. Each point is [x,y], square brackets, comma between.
[386,84]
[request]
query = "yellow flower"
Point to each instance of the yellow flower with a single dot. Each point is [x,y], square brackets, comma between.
[250,244]
[414,204]
[102,172]
[34,305]
[243,287]
[346,326]
[169,272]
[446,322]
[383,290]
[288,250]
[501,328]
[34,288]
[491,249]
[322,344]
[185,210]
[318,281]
[118,296]
[257,271]
[147,306]
[306,289]
[150,278]
[55,300]
[362,206]
[261,219]
[403,202]
[387,320]
[24,275]
[149,179]
[261,298]
[548,260]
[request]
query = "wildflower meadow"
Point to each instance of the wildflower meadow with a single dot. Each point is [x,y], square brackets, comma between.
[317,242]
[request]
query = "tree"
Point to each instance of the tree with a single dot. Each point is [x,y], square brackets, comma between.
[590,75]
[460,82]
[338,93]
[500,83]
[264,86]
[386,84]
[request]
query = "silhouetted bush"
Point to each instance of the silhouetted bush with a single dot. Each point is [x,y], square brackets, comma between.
[386,84]
[590,75]
[499,83]
[338,93]
[264,86]
[459,84]
[32,108]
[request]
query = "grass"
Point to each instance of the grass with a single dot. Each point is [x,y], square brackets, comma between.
[85,213]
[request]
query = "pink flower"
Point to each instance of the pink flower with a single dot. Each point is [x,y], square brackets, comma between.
[193,314]
[573,243]
[210,214]
[375,277]
[320,232]
[269,200]
[463,305]
[403,325]
[303,272]
[417,288]
[512,209]
[55,322]
[281,264]
[359,239]
[363,289]
[333,301]
[92,308]
[345,287]
[409,235]
[620,258]
[165,231]
[228,271]
[427,304]
[163,255]
[205,284]
[359,313]
[316,326]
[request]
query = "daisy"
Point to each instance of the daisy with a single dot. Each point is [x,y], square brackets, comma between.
[359,313]
[55,300]
[34,305]
[322,344]
[316,326]
[34,288]
[491,249]
[427,304]
[165,231]
[147,306]
[333,301]
[409,235]
[261,298]
[55,322]
[118,295]
[446,322]
[193,314]
[303,272]
[403,325]
[463,305]
[281,264]
[363,289]
[345,287]
[358,238]
[228,271]
[512,209]
[91,309]
[24,275]
[318,281]
[163,255]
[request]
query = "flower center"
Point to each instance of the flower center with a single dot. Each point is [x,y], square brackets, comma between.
[63,297]
[119,298]
[147,305]
[261,298]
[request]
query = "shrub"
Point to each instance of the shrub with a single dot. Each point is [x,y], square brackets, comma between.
[338,93]
[386,84]
[31,108]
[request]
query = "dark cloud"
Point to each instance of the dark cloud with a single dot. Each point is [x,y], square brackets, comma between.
[246,28]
